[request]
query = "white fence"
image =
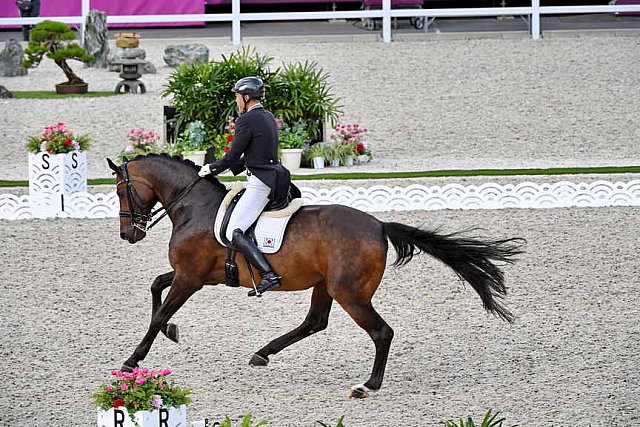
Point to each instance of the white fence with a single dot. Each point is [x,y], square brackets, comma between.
[532,12]
[381,198]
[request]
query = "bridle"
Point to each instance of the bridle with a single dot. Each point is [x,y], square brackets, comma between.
[139,219]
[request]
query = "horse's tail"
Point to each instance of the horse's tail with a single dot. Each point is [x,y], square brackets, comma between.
[472,259]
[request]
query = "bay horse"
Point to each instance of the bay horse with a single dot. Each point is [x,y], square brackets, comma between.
[316,253]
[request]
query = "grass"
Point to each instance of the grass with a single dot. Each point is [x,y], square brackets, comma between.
[390,175]
[44,94]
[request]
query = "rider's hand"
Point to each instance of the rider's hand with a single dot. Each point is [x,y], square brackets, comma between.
[205,170]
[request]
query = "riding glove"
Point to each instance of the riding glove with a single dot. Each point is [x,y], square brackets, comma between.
[205,170]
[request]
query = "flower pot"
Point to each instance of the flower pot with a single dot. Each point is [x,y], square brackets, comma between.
[166,417]
[318,162]
[291,158]
[335,162]
[362,158]
[54,176]
[348,161]
[65,88]
[196,157]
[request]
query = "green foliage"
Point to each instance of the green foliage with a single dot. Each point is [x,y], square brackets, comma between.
[490,420]
[245,422]
[202,91]
[301,91]
[294,135]
[193,138]
[53,39]
[317,150]
[340,423]
[294,92]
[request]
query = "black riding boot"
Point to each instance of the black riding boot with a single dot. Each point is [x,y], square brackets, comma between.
[245,245]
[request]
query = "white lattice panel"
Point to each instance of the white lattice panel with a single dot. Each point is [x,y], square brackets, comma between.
[379,198]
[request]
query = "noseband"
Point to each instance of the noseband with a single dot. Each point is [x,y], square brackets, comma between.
[139,219]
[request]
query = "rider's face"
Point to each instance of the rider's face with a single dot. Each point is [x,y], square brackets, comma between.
[239,102]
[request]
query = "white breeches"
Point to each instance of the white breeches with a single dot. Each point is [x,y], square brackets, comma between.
[250,206]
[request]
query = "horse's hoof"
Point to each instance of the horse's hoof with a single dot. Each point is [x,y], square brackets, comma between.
[257,360]
[359,392]
[128,366]
[172,332]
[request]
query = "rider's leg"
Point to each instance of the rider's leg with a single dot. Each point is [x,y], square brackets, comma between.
[247,210]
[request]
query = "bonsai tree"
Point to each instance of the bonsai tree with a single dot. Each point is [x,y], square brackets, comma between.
[54,39]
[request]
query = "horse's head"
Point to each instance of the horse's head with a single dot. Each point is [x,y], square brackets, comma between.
[137,199]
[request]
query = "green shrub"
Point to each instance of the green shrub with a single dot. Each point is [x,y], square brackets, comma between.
[340,424]
[202,91]
[245,422]
[490,420]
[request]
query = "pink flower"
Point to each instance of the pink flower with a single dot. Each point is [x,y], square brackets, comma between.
[124,386]
[140,380]
[109,387]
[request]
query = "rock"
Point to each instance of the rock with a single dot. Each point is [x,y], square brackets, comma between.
[4,93]
[148,68]
[96,41]
[176,54]
[125,53]
[11,58]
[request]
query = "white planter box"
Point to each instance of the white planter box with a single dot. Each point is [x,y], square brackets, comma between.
[54,176]
[291,158]
[318,162]
[163,417]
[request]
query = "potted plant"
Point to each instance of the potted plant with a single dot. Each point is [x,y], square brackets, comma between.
[351,140]
[140,142]
[191,143]
[292,138]
[334,154]
[53,39]
[316,153]
[57,167]
[144,398]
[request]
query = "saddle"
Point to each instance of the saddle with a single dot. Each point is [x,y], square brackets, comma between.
[267,232]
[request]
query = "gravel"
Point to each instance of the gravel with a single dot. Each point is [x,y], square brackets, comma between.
[428,105]
[75,298]
[76,301]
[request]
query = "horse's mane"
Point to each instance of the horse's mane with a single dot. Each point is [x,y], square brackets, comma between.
[210,178]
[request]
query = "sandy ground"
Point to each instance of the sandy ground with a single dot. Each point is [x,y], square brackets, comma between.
[75,299]
[429,105]
[75,302]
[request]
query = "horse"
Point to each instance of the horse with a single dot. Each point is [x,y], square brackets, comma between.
[311,257]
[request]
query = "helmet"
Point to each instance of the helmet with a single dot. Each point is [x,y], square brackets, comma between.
[252,86]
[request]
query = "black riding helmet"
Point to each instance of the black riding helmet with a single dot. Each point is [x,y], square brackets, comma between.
[252,86]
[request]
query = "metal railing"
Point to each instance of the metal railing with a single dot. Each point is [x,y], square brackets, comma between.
[386,13]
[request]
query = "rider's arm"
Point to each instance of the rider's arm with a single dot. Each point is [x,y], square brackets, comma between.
[232,159]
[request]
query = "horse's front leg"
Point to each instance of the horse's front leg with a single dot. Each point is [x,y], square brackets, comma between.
[162,282]
[180,292]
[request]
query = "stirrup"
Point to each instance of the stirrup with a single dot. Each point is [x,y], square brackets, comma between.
[266,284]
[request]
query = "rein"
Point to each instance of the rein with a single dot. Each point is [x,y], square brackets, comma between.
[139,220]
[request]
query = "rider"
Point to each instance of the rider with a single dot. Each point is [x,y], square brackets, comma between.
[256,137]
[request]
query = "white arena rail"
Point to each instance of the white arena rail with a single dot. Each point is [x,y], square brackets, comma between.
[379,198]
[533,13]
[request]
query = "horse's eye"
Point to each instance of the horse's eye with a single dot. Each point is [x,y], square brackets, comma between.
[120,193]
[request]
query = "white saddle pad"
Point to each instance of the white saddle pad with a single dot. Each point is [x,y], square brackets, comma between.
[269,229]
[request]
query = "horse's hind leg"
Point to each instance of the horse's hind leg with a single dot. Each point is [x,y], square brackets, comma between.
[316,321]
[162,282]
[380,332]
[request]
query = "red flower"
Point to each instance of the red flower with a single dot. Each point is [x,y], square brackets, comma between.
[226,148]
[117,403]
[67,142]
[229,138]
[360,147]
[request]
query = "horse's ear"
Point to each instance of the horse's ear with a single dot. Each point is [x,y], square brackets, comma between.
[113,166]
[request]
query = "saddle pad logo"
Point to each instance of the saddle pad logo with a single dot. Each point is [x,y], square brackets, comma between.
[268,242]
